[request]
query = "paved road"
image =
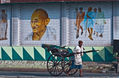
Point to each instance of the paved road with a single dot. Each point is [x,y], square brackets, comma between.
[5,74]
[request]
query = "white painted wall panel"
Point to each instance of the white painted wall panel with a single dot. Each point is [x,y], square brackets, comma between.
[116,20]
[65,25]
[15,25]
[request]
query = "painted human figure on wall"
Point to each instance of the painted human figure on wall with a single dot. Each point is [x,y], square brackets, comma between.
[100,23]
[89,22]
[79,18]
[39,21]
[3,25]
[94,20]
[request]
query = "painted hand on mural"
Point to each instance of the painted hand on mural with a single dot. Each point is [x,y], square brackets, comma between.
[39,21]
[3,25]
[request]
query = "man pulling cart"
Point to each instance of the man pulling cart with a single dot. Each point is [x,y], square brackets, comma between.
[64,59]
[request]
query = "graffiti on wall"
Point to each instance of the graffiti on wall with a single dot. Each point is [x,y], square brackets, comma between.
[39,22]
[3,25]
[91,22]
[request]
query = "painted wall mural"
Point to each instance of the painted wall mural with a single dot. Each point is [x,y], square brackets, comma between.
[92,24]
[3,25]
[39,21]
[91,21]
[5,14]
[41,25]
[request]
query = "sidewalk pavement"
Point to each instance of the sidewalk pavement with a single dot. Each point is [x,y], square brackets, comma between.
[40,66]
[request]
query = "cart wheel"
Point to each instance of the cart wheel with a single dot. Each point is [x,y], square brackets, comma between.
[66,67]
[54,65]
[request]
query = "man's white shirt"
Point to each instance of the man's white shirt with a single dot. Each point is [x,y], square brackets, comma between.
[78,59]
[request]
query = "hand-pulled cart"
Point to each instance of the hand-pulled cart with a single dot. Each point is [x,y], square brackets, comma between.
[60,60]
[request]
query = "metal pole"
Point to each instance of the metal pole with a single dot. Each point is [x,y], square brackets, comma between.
[11,26]
[61,24]
[112,26]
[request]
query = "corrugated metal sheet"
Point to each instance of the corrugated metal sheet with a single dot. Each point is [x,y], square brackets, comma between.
[35,1]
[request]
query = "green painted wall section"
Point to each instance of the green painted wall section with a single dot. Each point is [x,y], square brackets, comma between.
[105,54]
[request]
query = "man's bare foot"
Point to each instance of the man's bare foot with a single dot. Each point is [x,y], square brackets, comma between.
[101,35]
[77,35]
[80,75]
[67,73]
[94,33]
[81,33]
[4,38]
[97,34]
[90,37]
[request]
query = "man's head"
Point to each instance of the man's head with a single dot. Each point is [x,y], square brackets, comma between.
[80,43]
[90,9]
[80,8]
[39,21]
[76,9]
[99,9]
[3,11]
[95,9]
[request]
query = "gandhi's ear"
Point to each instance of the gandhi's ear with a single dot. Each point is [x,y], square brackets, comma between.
[47,21]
